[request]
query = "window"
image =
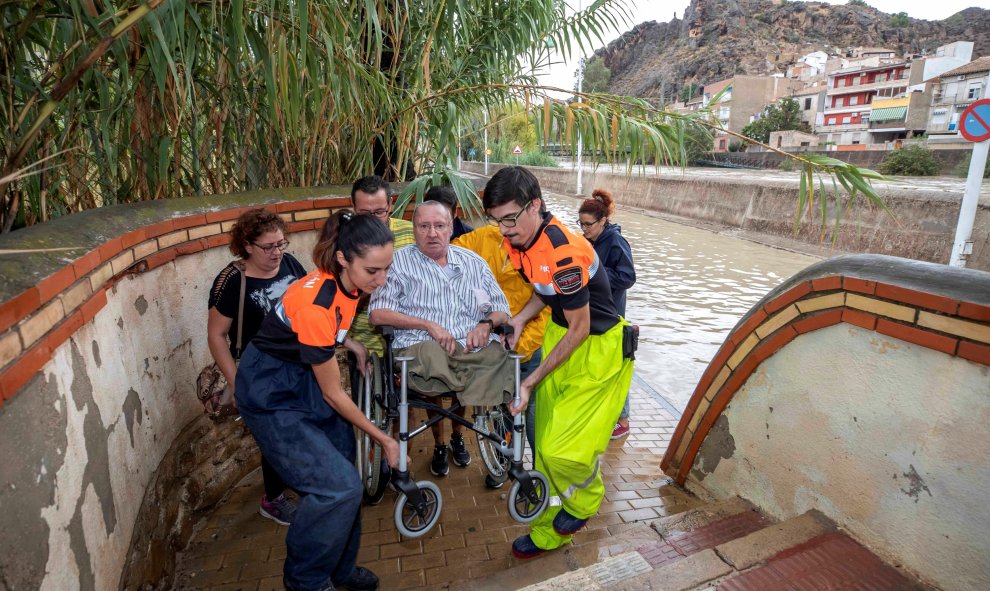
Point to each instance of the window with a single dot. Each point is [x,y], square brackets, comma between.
[807,104]
[939,117]
[846,120]
[974,92]
[864,119]
[853,100]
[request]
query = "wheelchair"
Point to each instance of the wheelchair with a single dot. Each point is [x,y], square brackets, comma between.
[384,398]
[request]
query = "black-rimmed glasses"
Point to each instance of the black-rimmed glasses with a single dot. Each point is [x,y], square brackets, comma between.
[268,248]
[378,213]
[586,225]
[509,221]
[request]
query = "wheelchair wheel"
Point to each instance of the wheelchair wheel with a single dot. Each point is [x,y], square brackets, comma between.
[498,422]
[372,466]
[520,507]
[410,523]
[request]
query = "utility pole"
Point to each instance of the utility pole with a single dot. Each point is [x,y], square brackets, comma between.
[486,141]
[579,169]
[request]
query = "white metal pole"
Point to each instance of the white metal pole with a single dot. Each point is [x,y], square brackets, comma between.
[580,76]
[962,245]
[579,80]
[459,136]
[486,142]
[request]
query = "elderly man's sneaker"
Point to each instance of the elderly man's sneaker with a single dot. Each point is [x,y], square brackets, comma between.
[281,509]
[493,483]
[439,465]
[361,579]
[458,451]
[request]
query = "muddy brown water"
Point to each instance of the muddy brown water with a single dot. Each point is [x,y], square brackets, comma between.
[692,286]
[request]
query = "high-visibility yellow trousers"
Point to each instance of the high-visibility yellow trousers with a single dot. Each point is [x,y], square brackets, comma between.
[579,404]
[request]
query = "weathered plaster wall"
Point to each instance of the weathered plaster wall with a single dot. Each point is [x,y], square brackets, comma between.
[82,440]
[922,227]
[887,438]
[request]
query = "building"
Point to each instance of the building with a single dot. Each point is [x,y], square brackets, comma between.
[952,92]
[793,140]
[743,99]
[947,57]
[812,103]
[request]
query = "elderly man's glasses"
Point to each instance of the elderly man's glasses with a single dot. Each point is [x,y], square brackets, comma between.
[268,248]
[586,225]
[509,221]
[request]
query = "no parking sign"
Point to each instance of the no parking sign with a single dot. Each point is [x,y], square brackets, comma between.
[975,122]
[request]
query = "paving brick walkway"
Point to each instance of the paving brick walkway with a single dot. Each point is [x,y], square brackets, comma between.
[236,549]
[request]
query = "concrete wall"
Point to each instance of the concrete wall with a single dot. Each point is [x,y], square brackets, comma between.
[921,224]
[868,158]
[860,387]
[99,352]
[886,438]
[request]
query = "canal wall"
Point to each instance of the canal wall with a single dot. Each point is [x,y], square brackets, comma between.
[918,224]
[859,388]
[106,459]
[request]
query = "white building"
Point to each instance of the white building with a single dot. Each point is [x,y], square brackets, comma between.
[952,92]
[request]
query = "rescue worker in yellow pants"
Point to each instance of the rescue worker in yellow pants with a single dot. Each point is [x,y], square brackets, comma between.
[581,397]
[587,368]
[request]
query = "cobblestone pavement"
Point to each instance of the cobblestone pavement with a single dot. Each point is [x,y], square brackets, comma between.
[236,549]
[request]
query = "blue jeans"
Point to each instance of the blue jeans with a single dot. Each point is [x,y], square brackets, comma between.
[625,408]
[312,448]
[524,370]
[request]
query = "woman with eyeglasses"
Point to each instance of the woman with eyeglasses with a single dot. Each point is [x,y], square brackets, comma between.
[616,255]
[258,241]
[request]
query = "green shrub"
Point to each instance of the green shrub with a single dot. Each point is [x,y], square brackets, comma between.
[962,169]
[787,165]
[857,3]
[910,161]
[527,158]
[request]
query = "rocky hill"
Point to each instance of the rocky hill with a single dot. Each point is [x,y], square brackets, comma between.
[717,39]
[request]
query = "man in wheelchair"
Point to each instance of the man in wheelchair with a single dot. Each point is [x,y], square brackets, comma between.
[444,303]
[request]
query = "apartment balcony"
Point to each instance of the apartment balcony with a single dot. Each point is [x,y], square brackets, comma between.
[841,128]
[865,87]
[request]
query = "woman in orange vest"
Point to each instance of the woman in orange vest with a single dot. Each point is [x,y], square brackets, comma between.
[288,392]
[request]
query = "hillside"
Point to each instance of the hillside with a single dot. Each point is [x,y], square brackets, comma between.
[717,39]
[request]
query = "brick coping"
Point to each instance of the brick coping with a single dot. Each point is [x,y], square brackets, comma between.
[935,306]
[55,296]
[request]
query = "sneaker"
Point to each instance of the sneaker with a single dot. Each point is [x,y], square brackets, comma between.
[490,482]
[361,579]
[458,452]
[281,509]
[439,465]
[524,548]
[566,524]
[620,431]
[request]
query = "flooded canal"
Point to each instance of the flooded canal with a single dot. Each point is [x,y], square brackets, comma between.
[692,286]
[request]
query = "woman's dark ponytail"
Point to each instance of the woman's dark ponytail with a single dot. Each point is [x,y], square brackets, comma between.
[351,234]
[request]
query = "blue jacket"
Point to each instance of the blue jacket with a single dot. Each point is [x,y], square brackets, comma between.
[614,252]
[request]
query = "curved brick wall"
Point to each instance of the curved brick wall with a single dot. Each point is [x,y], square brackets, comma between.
[102,333]
[861,388]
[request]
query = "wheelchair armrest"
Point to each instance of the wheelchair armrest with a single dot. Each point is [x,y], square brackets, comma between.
[387,331]
[504,330]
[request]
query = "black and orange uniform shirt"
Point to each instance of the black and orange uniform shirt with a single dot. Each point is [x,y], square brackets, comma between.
[310,320]
[566,274]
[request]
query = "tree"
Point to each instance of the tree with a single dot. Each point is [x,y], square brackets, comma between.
[146,99]
[900,20]
[596,76]
[688,92]
[782,116]
[857,3]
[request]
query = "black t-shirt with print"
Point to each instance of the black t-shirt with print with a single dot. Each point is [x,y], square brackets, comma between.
[260,297]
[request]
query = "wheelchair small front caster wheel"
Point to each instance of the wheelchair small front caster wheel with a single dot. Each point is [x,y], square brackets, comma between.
[410,522]
[521,508]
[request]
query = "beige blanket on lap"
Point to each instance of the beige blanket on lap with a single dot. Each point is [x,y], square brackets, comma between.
[482,378]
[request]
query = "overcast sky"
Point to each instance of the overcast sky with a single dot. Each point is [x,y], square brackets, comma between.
[562,75]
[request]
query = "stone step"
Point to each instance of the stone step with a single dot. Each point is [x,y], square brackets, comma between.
[728,546]
[614,532]
[684,553]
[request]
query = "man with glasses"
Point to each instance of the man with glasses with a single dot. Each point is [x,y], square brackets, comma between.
[444,303]
[587,365]
[370,195]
